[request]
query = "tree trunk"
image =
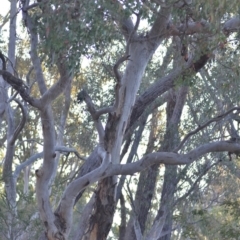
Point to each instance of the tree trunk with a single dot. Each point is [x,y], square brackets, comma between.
[167,199]
[101,220]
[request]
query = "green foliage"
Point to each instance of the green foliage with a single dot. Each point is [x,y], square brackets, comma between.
[70,30]
[84,34]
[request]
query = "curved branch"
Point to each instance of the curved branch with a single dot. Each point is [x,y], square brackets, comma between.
[21,124]
[66,204]
[62,149]
[108,169]
[171,158]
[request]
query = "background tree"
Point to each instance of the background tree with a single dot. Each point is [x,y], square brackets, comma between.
[157,83]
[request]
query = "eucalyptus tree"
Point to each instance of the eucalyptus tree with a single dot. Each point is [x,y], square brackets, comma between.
[60,33]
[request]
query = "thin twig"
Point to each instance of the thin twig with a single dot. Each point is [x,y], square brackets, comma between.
[216,119]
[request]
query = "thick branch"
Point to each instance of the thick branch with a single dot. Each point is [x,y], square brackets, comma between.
[108,169]
[171,158]
[65,207]
[155,90]
[29,161]
[189,28]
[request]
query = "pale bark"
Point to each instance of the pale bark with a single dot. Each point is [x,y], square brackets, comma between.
[122,227]
[140,53]
[12,131]
[104,161]
[232,25]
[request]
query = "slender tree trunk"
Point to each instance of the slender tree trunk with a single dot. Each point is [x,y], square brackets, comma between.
[167,199]
[174,110]
[102,217]
[145,188]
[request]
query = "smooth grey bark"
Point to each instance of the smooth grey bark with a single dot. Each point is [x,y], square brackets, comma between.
[165,83]
[61,125]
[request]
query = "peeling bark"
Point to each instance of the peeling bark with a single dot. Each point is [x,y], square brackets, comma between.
[101,220]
